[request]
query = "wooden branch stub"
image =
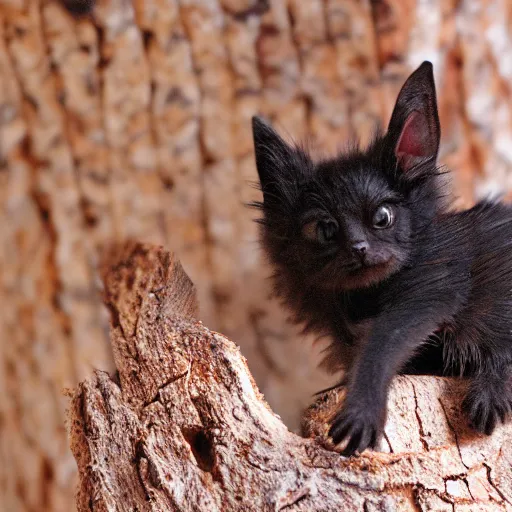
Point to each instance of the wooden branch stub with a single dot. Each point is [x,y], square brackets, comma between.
[183,427]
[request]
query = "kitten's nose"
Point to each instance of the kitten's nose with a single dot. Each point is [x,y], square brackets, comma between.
[359,249]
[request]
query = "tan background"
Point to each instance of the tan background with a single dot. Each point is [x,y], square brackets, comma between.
[135,122]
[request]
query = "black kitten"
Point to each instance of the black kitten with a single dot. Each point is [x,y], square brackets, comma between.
[365,251]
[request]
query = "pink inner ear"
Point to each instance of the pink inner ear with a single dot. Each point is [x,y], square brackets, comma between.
[414,140]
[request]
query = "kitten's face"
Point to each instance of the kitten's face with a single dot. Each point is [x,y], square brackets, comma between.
[349,228]
[349,222]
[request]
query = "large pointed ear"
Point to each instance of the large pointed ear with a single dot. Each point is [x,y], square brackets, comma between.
[414,130]
[273,155]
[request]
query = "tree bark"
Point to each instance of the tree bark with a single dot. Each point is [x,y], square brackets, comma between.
[182,425]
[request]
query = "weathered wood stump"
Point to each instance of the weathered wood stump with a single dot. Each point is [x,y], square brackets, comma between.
[182,425]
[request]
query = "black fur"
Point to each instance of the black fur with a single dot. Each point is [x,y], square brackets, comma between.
[430,293]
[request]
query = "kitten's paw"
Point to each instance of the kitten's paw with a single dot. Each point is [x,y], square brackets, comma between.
[486,407]
[360,426]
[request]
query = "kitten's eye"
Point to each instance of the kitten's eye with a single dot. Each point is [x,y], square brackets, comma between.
[322,231]
[383,218]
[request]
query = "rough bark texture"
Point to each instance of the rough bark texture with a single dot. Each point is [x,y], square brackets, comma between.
[183,426]
[134,122]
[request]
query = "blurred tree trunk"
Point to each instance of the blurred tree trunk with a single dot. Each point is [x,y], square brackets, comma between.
[134,122]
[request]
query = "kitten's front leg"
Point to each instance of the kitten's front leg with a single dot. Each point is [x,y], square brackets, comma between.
[394,338]
[363,414]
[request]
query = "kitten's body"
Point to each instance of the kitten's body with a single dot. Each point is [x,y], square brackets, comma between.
[461,253]
[429,293]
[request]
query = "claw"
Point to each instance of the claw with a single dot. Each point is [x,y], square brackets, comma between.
[339,431]
[359,426]
[353,445]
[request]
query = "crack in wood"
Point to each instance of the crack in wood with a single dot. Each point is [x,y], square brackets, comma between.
[489,478]
[420,424]
[454,432]
[172,380]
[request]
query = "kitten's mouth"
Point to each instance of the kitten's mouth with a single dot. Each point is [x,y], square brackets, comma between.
[357,275]
[364,274]
[365,268]
[366,265]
